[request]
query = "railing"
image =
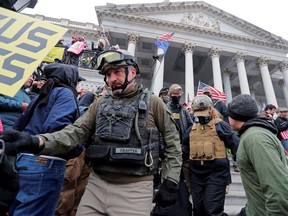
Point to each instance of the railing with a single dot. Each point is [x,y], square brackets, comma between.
[88,60]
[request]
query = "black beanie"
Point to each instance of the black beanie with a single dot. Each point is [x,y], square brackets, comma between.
[242,108]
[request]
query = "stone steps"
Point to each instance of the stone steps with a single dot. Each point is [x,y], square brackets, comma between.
[236,199]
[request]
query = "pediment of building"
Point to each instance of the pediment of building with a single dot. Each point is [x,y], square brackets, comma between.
[197,16]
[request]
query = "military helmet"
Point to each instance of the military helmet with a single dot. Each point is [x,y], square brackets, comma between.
[202,105]
[115,58]
[163,91]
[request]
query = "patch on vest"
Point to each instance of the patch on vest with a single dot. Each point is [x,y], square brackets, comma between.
[128,151]
[176,115]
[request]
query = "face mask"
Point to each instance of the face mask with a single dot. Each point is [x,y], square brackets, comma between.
[175,99]
[203,120]
[165,98]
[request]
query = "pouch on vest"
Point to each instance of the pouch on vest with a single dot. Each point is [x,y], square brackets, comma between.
[114,122]
[127,155]
[200,150]
[118,155]
[97,152]
[209,150]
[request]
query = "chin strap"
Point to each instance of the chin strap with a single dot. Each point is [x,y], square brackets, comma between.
[125,84]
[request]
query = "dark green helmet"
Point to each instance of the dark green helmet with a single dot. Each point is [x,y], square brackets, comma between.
[115,58]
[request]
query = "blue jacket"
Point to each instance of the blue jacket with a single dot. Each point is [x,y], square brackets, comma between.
[10,107]
[60,110]
[56,105]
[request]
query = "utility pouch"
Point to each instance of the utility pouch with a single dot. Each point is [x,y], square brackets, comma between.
[193,150]
[209,150]
[97,152]
[200,150]
[127,155]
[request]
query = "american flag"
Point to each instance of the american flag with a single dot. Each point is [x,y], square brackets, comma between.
[216,94]
[284,134]
[167,36]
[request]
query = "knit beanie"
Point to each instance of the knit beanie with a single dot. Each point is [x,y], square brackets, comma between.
[242,108]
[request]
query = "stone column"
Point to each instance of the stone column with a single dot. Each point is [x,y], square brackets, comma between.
[227,85]
[283,85]
[283,67]
[239,58]
[189,72]
[262,63]
[214,54]
[133,40]
[158,75]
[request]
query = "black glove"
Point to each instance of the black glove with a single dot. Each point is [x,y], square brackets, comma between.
[167,194]
[16,142]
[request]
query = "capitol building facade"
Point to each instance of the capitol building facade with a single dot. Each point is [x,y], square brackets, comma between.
[209,45]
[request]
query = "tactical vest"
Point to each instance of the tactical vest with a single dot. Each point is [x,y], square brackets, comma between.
[122,142]
[205,143]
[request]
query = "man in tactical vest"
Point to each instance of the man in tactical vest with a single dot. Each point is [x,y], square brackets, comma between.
[208,162]
[123,125]
[184,121]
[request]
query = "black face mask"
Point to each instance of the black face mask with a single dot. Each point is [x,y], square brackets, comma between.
[203,120]
[175,99]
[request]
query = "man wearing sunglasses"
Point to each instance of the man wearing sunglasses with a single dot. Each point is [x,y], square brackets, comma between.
[124,127]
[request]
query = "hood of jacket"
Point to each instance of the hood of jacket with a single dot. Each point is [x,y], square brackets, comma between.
[263,122]
[67,74]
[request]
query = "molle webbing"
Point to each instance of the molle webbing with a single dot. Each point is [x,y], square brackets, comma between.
[124,147]
[205,143]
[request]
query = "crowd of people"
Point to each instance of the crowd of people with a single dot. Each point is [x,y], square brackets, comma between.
[100,153]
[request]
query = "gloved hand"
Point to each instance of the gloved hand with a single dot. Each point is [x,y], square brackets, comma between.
[16,142]
[167,194]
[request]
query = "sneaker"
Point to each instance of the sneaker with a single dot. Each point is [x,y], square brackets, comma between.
[236,169]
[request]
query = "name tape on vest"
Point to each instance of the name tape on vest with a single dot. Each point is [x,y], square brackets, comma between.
[128,151]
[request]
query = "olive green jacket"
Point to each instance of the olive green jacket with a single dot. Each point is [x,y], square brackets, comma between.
[84,128]
[264,172]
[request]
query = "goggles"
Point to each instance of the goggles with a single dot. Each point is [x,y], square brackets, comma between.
[111,56]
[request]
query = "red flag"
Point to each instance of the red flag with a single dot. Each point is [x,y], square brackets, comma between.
[216,94]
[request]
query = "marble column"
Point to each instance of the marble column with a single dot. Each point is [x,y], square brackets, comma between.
[214,54]
[189,72]
[133,40]
[283,67]
[227,85]
[283,85]
[262,63]
[158,75]
[239,58]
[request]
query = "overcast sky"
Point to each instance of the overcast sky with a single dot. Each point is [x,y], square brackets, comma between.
[268,15]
